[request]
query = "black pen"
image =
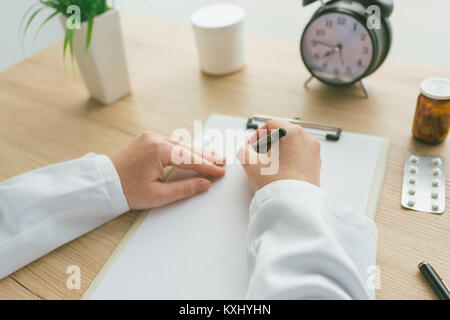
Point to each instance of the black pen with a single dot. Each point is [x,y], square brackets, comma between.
[264,143]
[434,280]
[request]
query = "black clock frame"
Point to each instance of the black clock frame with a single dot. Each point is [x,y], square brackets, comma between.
[381,41]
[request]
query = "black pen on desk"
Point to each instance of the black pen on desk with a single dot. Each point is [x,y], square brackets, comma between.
[264,143]
[434,280]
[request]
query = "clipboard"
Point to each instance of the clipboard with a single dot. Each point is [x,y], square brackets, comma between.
[216,269]
[319,130]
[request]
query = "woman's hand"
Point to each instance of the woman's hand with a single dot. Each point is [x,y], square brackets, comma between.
[299,156]
[141,164]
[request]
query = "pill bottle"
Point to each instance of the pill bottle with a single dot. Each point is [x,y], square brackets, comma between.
[432,118]
[219,34]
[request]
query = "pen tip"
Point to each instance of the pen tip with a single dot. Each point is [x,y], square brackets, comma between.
[282,132]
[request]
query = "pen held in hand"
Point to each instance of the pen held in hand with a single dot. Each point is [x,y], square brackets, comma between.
[263,145]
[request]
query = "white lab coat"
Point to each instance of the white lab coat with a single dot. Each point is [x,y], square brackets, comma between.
[301,243]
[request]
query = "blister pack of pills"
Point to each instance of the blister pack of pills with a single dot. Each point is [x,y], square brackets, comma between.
[424,183]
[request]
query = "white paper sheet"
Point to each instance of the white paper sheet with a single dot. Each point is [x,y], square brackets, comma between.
[196,248]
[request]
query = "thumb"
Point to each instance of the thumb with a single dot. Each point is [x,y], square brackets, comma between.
[249,158]
[181,189]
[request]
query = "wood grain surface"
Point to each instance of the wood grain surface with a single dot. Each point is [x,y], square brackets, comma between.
[46,117]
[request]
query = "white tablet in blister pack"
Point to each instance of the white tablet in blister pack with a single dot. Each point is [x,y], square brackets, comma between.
[424,183]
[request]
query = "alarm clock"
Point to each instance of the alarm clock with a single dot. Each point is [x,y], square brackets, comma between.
[346,40]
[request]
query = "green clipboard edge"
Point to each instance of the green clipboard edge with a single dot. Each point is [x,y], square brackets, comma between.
[377,182]
[371,211]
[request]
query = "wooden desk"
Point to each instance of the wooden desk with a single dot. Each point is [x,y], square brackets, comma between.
[46,117]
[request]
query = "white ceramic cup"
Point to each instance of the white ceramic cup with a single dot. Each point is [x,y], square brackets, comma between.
[219,33]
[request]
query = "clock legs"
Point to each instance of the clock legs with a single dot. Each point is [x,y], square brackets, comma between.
[360,82]
[364,89]
[308,81]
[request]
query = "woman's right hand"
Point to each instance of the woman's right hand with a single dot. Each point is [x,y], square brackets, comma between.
[299,156]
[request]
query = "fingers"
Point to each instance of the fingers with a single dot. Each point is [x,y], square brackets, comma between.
[255,136]
[260,132]
[243,154]
[277,124]
[210,156]
[172,191]
[272,125]
[249,159]
[186,159]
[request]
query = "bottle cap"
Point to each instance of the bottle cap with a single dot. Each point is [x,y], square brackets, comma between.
[436,88]
[217,18]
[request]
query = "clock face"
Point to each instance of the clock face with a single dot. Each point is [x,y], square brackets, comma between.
[337,48]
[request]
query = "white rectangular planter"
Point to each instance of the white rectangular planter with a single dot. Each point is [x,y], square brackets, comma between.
[104,67]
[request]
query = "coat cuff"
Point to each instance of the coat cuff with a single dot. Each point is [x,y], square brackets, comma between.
[306,191]
[112,183]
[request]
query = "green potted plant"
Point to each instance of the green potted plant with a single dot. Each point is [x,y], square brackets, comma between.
[93,35]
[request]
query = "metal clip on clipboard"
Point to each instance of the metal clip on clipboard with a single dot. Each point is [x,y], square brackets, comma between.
[324,131]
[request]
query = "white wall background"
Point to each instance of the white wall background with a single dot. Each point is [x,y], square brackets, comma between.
[421,27]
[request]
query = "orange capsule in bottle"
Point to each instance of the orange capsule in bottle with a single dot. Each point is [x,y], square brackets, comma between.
[432,118]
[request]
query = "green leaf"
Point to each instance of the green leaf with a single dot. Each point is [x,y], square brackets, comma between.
[67,36]
[103,6]
[89,9]
[25,15]
[21,37]
[90,25]
[66,40]
[43,23]
[35,13]
[71,53]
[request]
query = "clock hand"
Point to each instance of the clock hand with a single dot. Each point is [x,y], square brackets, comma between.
[323,43]
[328,53]
[342,58]
[335,49]
[325,64]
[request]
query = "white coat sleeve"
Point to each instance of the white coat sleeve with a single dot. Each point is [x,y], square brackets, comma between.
[45,208]
[303,244]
